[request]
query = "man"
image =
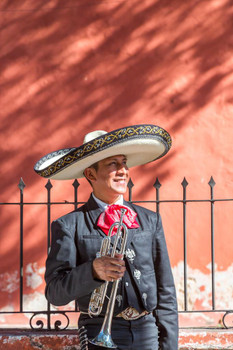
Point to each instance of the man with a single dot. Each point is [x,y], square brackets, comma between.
[145,310]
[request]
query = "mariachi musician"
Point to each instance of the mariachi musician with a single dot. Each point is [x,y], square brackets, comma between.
[144,315]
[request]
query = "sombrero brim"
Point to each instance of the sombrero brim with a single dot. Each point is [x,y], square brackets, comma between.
[141,144]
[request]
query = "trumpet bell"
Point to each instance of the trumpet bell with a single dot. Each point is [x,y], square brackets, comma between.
[104,340]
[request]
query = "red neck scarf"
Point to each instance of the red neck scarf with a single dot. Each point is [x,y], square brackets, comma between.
[113,214]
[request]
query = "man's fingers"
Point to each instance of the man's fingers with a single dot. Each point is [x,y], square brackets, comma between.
[106,260]
[118,256]
[107,268]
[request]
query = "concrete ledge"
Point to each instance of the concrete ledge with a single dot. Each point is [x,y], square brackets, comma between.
[46,340]
[189,339]
[214,339]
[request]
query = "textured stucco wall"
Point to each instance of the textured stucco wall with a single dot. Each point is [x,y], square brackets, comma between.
[69,69]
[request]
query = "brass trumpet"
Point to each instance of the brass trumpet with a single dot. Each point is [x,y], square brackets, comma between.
[98,296]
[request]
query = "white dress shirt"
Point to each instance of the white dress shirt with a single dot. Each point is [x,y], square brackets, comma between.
[104,205]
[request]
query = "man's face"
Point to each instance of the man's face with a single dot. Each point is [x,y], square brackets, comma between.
[111,178]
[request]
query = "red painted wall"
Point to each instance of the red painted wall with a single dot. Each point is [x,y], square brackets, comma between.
[70,67]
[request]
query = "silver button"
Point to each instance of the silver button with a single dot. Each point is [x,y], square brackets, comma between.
[126,283]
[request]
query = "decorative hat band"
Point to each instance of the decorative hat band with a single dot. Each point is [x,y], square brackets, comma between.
[140,143]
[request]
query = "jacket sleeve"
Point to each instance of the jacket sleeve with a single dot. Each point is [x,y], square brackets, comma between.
[65,280]
[166,311]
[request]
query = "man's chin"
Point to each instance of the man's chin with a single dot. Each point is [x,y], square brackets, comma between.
[120,191]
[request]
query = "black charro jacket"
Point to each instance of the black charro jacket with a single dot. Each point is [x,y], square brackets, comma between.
[75,241]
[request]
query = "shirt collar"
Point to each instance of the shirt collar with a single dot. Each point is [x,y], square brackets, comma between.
[104,205]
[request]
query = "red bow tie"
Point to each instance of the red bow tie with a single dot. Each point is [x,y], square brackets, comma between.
[112,214]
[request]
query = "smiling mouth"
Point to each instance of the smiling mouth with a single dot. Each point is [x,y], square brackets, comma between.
[120,180]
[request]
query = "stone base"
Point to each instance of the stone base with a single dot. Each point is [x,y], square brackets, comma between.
[214,339]
[189,339]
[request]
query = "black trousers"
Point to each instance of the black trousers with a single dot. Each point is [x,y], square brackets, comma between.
[141,334]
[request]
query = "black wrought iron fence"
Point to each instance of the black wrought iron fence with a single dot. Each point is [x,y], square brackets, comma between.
[47,314]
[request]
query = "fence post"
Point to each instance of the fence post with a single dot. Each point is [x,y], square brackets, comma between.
[21,186]
[76,185]
[130,186]
[157,186]
[212,184]
[184,184]
[48,186]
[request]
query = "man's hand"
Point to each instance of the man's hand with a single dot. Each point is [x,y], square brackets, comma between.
[109,269]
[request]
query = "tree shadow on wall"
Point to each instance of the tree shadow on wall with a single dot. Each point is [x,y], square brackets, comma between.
[65,68]
[68,68]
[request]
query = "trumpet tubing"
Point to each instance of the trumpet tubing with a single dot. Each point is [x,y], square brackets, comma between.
[97,300]
[98,296]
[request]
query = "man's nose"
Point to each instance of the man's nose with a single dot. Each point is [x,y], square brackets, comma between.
[122,168]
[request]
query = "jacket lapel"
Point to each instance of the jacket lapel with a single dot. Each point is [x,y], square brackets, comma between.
[133,231]
[94,212]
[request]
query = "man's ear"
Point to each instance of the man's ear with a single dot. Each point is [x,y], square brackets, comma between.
[90,174]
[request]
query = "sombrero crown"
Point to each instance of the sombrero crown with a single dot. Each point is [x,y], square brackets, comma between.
[140,143]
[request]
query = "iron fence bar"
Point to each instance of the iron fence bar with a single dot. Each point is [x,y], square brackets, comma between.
[41,203]
[157,186]
[130,188]
[48,187]
[151,201]
[212,184]
[76,184]
[184,185]
[74,311]
[186,201]
[21,186]
[41,311]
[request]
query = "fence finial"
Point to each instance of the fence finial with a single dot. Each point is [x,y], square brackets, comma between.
[157,184]
[21,184]
[75,184]
[130,184]
[212,183]
[48,186]
[184,183]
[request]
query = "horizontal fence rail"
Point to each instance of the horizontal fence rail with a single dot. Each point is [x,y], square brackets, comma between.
[48,313]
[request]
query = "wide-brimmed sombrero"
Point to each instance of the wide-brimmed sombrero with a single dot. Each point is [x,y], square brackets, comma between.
[139,143]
